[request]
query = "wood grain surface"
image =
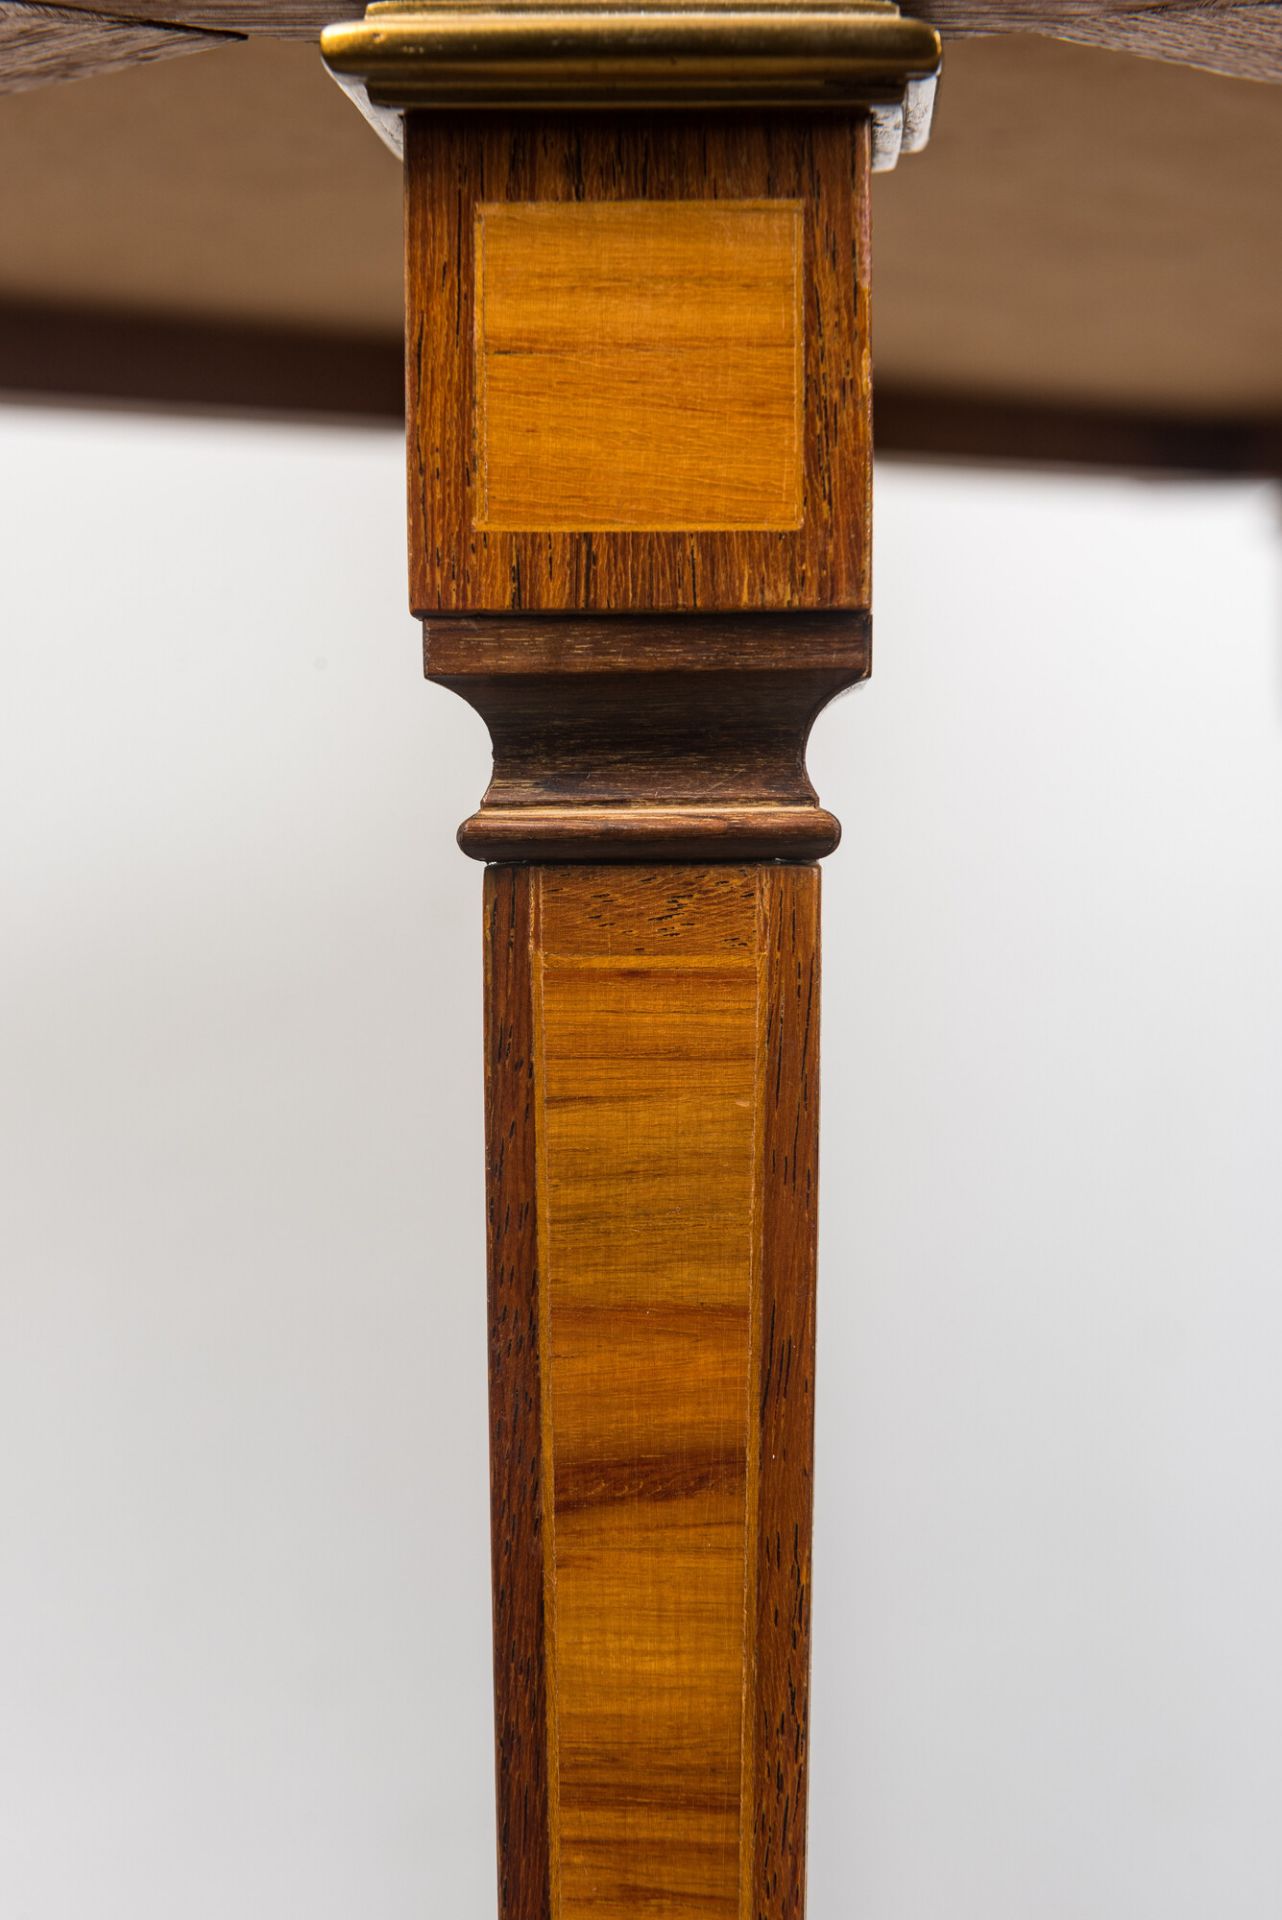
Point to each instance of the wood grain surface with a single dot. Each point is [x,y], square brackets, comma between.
[638,365]
[652,1041]
[516,1426]
[1242,38]
[43,46]
[1245,42]
[652,737]
[581,435]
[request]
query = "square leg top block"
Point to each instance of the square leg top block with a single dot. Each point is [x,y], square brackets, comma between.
[637,363]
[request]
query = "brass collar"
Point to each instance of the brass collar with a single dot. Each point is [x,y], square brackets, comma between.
[589,56]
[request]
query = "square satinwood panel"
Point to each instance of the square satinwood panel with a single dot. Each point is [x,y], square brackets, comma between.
[639,365]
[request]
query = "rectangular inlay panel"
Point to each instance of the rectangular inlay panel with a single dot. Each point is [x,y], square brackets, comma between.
[651,1120]
[648,1074]
[639,365]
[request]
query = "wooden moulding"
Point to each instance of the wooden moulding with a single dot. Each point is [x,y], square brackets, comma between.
[637,363]
[651,1055]
[650,739]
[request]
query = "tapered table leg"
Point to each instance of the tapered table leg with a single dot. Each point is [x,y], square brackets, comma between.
[639,485]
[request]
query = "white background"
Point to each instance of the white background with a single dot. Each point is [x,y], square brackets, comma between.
[244,1635]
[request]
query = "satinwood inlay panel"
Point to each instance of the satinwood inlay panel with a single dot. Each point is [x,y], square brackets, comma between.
[648,1083]
[639,365]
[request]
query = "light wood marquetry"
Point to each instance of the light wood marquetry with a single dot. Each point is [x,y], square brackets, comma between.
[639,365]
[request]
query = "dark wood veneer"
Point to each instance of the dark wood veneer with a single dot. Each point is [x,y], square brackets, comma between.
[516,1430]
[643,740]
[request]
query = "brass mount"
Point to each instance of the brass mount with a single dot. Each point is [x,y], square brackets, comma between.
[465,54]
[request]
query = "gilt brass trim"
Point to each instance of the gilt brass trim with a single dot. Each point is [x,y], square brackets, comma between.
[586,56]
